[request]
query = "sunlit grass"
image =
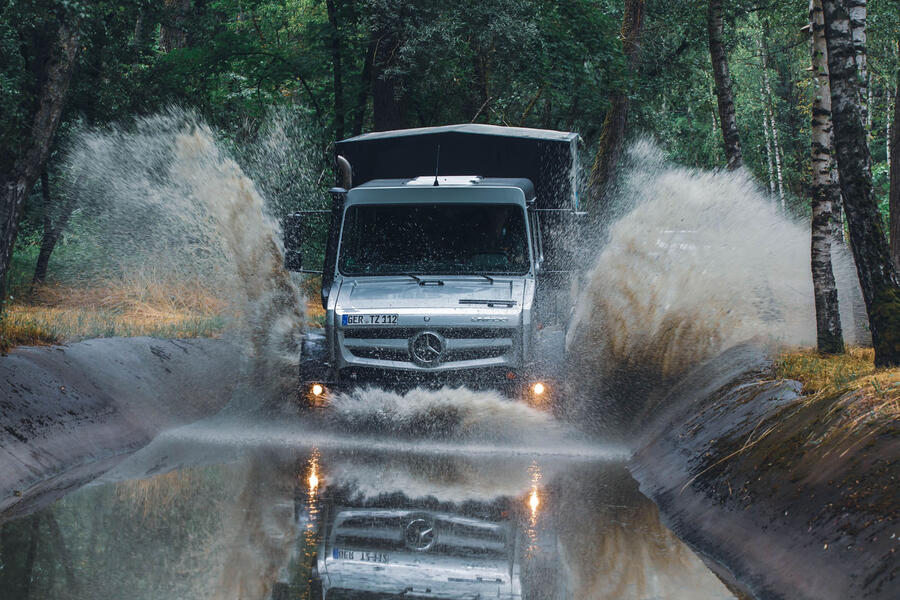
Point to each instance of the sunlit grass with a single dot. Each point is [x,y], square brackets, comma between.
[830,373]
[859,393]
[18,332]
[126,308]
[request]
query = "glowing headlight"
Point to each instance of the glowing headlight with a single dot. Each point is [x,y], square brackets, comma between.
[538,388]
[317,389]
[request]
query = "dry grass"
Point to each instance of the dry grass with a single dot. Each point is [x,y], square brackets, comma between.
[126,307]
[829,373]
[862,395]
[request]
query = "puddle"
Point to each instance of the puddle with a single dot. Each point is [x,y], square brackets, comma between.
[295,520]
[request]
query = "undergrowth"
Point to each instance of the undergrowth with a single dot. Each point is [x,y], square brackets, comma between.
[860,394]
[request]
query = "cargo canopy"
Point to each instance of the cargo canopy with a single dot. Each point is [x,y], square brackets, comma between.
[548,158]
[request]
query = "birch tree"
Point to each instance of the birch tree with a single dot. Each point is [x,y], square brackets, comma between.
[856,10]
[877,276]
[769,115]
[894,161]
[768,137]
[824,189]
[722,77]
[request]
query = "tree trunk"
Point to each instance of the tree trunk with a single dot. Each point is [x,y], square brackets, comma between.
[856,9]
[823,188]
[722,77]
[877,275]
[768,136]
[894,145]
[768,103]
[481,68]
[612,135]
[173,32]
[388,96]
[16,186]
[53,228]
[337,70]
[365,88]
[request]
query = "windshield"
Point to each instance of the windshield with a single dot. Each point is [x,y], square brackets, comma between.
[439,239]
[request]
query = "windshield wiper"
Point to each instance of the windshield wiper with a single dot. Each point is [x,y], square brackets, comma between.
[490,302]
[421,281]
[488,277]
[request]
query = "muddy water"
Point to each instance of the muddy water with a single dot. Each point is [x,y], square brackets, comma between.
[256,512]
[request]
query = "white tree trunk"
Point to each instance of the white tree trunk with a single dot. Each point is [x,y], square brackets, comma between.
[824,188]
[857,12]
[768,144]
[768,103]
[887,126]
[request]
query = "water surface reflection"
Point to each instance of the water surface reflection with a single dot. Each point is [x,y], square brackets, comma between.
[328,523]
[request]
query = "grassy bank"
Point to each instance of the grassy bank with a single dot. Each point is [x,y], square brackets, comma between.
[860,395]
[60,313]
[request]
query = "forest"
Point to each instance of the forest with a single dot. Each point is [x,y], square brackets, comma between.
[715,84]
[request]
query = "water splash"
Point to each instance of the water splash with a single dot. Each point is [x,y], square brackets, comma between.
[454,413]
[165,196]
[700,261]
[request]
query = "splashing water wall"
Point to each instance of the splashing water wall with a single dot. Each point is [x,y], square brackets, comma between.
[169,199]
[700,261]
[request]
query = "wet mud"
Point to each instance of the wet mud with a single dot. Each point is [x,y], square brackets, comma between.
[69,413]
[755,477]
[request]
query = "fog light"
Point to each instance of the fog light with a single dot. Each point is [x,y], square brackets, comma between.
[538,388]
[317,389]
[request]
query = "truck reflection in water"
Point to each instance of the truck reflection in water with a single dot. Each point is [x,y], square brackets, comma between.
[547,532]
[414,552]
[382,543]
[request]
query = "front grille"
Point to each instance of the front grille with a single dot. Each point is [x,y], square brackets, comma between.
[456,536]
[394,333]
[462,343]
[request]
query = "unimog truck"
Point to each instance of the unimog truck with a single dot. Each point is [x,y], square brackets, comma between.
[448,261]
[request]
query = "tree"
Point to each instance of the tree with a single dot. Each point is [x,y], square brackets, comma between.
[55,217]
[894,145]
[15,186]
[824,189]
[337,69]
[389,102]
[172,31]
[722,77]
[612,136]
[877,274]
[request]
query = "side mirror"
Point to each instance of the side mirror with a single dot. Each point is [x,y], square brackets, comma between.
[293,238]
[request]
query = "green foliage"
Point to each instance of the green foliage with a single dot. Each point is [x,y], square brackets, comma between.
[533,63]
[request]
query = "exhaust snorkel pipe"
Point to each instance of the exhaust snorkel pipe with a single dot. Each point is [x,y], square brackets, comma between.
[345,172]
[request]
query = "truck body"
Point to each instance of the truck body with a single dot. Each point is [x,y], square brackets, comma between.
[448,260]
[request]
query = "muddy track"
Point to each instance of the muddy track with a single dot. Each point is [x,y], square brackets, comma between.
[69,413]
[738,473]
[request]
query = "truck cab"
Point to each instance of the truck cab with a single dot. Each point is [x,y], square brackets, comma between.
[435,279]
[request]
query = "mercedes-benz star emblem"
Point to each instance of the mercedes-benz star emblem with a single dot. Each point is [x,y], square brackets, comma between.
[426,348]
[420,534]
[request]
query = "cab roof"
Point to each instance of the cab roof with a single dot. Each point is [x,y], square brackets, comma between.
[548,159]
[456,181]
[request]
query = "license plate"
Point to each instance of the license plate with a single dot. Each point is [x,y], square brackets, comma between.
[376,319]
[373,557]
